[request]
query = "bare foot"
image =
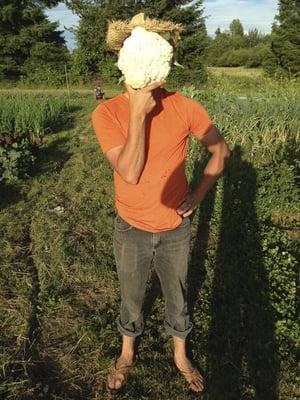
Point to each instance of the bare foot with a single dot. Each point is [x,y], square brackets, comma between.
[115,379]
[190,372]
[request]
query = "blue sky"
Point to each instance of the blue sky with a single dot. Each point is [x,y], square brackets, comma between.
[253,14]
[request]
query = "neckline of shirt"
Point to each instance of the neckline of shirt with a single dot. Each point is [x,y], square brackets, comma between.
[122,95]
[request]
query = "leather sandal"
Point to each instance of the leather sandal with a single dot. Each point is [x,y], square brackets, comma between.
[116,371]
[191,377]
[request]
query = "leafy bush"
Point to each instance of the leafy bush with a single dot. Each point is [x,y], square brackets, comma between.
[183,76]
[257,223]
[24,120]
[15,157]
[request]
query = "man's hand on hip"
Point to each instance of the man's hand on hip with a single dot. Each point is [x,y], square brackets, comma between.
[188,205]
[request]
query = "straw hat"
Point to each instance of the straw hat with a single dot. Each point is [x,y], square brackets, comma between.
[119,30]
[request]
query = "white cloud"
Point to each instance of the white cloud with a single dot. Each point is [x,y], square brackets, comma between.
[66,19]
[62,15]
[252,13]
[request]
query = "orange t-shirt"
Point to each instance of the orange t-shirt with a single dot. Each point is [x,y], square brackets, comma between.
[151,204]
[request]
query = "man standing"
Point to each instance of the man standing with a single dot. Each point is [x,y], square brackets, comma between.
[144,135]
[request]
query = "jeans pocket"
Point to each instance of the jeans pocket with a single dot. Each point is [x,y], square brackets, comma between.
[121,225]
[185,221]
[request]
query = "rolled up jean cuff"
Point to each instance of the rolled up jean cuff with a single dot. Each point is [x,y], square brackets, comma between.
[174,332]
[125,331]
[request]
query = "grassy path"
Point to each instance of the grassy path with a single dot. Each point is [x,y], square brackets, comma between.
[67,337]
[36,242]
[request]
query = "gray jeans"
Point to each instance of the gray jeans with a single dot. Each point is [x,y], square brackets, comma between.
[134,251]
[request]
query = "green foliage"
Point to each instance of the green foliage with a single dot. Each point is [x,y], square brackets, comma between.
[234,48]
[24,120]
[79,71]
[182,76]
[254,37]
[236,28]
[94,59]
[15,158]
[285,40]
[194,40]
[254,122]
[255,210]
[280,260]
[92,52]
[28,41]
[251,57]
[242,270]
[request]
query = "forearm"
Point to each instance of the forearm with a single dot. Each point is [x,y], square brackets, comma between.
[212,171]
[132,157]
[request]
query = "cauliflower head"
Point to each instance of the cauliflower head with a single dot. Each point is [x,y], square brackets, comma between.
[144,58]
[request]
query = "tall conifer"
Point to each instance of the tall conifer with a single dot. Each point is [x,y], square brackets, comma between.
[285,43]
[28,41]
[93,57]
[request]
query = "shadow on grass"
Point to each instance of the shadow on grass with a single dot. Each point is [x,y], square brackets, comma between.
[65,121]
[292,152]
[42,376]
[242,354]
[49,158]
[52,157]
[203,237]
[45,374]
[9,194]
[241,350]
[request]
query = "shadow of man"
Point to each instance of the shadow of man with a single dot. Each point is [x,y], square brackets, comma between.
[242,359]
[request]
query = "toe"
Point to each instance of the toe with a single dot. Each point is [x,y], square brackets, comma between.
[118,383]
[200,386]
[197,385]
[194,387]
[111,382]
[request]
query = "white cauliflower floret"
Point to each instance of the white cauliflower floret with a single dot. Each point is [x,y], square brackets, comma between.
[145,58]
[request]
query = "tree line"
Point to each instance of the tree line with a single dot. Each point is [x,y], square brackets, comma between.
[32,49]
[234,48]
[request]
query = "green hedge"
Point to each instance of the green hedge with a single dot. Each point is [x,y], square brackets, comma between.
[24,120]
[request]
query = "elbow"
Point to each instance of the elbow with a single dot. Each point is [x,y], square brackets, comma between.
[224,150]
[131,180]
[227,153]
[128,178]
[226,156]
[223,154]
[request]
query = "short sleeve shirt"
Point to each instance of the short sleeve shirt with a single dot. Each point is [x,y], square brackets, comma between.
[151,204]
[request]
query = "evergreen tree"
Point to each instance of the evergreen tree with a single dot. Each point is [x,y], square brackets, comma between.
[28,41]
[194,40]
[285,40]
[234,48]
[238,39]
[94,57]
[254,37]
[220,45]
[218,31]
[236,28]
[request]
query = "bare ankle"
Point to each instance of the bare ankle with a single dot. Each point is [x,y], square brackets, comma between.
[128,347]
[180,356]
[128,354]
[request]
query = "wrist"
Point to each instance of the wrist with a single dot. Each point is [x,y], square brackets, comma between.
[197,195]
[137,115]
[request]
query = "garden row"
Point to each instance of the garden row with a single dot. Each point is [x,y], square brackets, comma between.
[257,224]
[24,120]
